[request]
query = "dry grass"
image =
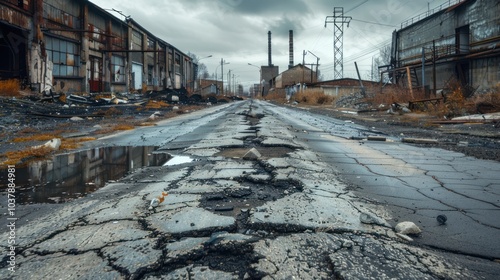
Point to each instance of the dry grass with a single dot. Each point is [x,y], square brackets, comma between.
[38,137]
[394,95]
[10,87]
[277,95]
[26,155]
[308,96]
[154,104]
[488,102]
[314,97]
[119,127]
[74,143]
[29,154]
[109,112]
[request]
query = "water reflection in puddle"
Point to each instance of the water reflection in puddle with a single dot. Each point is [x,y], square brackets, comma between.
[176,160]
[69,176]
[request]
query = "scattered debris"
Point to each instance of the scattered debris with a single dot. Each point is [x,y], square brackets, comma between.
[76,119]
[155,115]
[415,103]
[419,140]
[53,144]
[376,138]
[77,99]
[407,228]
[368,218]
[441,219]
[157,200]
[404,236]
[398,108]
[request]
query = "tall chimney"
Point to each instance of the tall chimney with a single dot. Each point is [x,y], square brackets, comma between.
[269,59]
[290,64]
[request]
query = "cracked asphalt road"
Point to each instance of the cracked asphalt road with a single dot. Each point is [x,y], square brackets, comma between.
[293,213]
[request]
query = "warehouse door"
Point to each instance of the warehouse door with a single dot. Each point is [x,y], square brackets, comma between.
[137,75]
[95,80]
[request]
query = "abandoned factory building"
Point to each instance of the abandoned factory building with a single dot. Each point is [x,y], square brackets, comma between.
[74,45]
[458,40]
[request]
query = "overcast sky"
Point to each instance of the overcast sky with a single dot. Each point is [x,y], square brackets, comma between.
[236,30]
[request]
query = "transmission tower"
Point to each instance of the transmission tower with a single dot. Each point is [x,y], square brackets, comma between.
[338,19]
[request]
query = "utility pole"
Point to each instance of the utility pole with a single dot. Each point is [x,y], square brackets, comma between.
[222,62]
[229,81]
[338,19]
[317,64]
[434,67]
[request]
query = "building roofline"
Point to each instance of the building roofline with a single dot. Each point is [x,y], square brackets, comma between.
[444,8]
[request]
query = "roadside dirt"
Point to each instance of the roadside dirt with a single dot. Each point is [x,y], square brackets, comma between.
[472,139]
[22,118]
[25,123]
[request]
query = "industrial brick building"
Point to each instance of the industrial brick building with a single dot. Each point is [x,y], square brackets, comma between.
[458,40]
[298,74]
[74,45]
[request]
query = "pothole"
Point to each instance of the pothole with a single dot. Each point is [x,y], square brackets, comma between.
[237,202]
[65,177]
[266,152]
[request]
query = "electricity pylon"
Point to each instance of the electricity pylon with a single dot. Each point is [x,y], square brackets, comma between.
[338,19]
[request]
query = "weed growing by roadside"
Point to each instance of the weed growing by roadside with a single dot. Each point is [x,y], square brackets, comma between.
[10,88]
[314,97]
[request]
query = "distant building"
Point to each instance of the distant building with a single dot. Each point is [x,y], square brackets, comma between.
[74,45]
[295,75]
[461,39]
[343,86]
[209,86]
[268,73]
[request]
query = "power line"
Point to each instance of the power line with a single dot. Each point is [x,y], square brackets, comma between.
[357,6]
[376,23]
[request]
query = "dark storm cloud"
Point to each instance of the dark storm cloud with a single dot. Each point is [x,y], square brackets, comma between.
[236,30]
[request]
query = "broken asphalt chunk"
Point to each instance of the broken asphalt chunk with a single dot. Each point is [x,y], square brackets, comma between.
[368,218]
[407,228]
[252,154]
[419,140]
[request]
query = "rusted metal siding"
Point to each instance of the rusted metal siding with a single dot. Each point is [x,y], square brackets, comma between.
[465,36]
[15,17]
[64,13]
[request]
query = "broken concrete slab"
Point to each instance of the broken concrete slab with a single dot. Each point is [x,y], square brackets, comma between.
[88,265]
[190,219]
[91,237]
[369,218]
[134,256]
[252,154]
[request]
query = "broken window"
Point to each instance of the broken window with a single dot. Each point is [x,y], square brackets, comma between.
[64,55]
[151,44]
[150,74]
[118,66]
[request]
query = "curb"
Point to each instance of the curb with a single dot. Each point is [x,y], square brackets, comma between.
[419,140]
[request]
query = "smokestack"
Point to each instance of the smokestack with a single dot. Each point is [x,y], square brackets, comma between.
[269,59]
[290,64]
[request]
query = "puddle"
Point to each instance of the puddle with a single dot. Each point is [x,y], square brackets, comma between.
[69,176]
[176,160]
